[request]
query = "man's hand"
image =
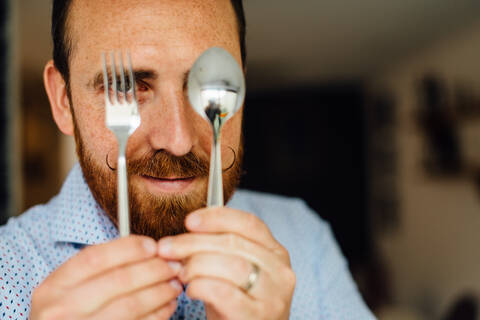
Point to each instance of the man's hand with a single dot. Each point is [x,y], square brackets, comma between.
[122,279]
[219,255]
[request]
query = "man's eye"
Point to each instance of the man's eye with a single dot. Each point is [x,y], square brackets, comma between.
[128,87]
[140,86]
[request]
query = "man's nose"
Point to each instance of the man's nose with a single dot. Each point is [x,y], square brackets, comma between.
[167,122]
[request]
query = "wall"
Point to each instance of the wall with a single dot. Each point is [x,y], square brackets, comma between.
[434,255]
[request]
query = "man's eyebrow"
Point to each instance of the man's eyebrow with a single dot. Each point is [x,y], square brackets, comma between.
[139,75]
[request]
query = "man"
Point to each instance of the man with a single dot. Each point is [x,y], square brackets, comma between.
[263,257]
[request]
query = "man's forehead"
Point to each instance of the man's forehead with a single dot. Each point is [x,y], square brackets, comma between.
[117,24]
[126,17]
[112,7]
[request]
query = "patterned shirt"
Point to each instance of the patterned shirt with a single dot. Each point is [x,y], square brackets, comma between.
[40,240]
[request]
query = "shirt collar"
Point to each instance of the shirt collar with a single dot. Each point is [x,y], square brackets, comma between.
[78,218]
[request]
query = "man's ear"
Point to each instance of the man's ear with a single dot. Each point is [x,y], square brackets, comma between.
[57,94]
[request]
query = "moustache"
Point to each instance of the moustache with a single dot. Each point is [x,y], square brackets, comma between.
[163,164]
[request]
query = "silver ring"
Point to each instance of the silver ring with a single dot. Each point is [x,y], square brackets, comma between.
[252,278]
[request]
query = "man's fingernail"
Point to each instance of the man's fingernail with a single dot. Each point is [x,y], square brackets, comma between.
[176,285]
[194,220]
[175,266]
[165,246]
[150,245]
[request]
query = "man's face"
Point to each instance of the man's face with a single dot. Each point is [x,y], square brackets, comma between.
[169,153]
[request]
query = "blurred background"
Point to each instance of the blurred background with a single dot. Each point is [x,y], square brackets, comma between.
[368,110]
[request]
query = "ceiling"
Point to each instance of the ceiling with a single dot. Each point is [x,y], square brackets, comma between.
[315,40]
[307,40]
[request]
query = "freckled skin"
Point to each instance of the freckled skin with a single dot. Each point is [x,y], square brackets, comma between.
[166,36]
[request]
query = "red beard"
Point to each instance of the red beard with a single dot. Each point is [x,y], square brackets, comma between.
[152,215]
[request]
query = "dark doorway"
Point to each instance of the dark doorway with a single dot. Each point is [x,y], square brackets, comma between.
[309,143]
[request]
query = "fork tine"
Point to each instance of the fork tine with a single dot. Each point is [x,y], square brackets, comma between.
[122,76]
[114,77]
[131,77]
[105,79]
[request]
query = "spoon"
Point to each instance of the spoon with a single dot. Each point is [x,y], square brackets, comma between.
[216,90]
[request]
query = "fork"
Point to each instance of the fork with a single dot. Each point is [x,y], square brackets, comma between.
[122,118]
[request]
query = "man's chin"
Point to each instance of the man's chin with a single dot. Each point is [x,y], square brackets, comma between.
[159,207]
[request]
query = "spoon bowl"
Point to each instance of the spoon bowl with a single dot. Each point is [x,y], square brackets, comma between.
[216,81]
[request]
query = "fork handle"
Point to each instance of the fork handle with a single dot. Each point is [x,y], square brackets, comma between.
[215,183]
[123,214]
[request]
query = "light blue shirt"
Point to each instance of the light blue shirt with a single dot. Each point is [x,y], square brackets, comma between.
[40,240]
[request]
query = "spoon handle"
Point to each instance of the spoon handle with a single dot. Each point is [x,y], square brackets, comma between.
[215,184]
